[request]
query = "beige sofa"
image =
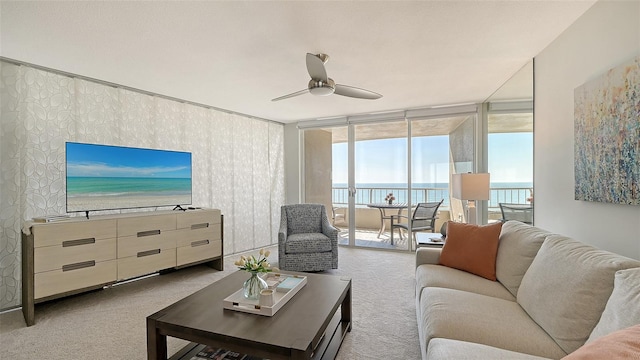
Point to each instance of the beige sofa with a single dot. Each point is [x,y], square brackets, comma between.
[552,295]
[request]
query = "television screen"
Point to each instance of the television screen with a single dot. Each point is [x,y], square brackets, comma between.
[103,177]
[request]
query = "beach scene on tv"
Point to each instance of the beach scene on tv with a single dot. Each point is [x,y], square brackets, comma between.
[103,177]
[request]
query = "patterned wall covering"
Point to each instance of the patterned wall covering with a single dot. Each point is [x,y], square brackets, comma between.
[238,162]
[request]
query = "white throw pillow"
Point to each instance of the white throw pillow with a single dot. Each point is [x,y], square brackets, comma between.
[623,307]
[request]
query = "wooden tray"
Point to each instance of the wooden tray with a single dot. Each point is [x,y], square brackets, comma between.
[238,302]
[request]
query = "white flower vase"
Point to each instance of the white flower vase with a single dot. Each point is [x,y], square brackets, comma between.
[253,285]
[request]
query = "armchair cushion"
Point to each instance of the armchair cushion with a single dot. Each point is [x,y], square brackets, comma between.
[307,243]
[304,219]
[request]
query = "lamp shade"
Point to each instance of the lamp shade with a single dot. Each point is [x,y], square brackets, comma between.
[470,186]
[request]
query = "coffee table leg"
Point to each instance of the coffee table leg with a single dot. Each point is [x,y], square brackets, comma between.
[156,342]
[346,308]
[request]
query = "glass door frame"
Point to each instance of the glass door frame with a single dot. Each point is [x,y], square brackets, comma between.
[479,157]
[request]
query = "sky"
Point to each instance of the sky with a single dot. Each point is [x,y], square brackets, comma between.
[384,161]
[91,160]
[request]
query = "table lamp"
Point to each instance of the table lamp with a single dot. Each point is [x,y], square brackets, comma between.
[470,187]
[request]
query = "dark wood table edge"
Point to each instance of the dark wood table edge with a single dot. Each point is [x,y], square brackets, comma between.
[339,325]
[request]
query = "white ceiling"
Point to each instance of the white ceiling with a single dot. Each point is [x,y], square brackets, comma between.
[238,55]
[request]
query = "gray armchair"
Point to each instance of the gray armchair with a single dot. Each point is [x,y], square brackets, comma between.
[306,240]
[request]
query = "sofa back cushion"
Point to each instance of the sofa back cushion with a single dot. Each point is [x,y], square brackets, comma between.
[567,287]
[623,307]
[519,244]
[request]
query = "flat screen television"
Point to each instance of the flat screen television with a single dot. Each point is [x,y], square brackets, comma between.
[105,177]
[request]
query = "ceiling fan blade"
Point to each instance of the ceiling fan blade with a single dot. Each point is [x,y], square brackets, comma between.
[355,92]
[315,67]
[291,95]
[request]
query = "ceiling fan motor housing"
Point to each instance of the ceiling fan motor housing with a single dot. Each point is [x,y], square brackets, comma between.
[321,88]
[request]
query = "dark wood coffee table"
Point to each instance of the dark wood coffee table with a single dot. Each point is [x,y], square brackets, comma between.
[311,325]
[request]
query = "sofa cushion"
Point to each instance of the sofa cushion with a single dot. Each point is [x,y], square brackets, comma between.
[567,286]
[307,243]
[620,313]
[447,349]
[519,244]
[472,248]
[446,277]
[621,344]
[465,316]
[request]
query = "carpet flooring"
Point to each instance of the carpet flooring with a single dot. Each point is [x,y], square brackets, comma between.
[110,324]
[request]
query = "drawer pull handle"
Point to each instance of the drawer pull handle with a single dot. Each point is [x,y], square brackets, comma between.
[78,242]
[80,265]
[200,243]
[199,226]
[148,233]
[148,252]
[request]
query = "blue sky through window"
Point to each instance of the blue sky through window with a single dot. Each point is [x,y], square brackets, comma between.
[383,161]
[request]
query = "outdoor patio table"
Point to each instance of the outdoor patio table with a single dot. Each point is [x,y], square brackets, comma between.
[383,207]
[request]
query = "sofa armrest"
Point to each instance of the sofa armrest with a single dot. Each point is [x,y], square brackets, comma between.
[428,255]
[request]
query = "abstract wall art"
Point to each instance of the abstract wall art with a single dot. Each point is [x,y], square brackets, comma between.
[607,136]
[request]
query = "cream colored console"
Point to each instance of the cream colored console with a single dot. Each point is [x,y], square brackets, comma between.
[77,255]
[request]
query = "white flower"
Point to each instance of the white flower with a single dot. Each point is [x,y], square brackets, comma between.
[251,263]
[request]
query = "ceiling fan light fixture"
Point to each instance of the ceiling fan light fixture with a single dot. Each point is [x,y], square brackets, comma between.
[322,85]
[320,88]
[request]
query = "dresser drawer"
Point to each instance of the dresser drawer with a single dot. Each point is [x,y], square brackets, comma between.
[198,251]
[186,236]
[71,252]
[74,277]
[146,263]
[56,233]
[197,218]
[145,225]
[132,245]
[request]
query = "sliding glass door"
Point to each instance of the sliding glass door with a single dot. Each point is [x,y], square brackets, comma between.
[380,177]
[372,176]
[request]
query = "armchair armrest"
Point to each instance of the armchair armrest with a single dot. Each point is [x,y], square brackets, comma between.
[428,255]
[329,230]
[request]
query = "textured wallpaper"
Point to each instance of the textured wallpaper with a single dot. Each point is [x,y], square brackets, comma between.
[238,162]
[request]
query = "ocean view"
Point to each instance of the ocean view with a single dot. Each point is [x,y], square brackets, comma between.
[505,192]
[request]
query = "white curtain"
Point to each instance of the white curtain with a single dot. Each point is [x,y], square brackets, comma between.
[238,162]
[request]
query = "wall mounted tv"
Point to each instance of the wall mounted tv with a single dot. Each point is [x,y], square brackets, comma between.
[104,177]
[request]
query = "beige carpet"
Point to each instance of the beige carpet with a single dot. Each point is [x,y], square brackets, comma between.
[110,324]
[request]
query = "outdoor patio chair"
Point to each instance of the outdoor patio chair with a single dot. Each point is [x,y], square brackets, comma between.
[306,240]
[338,215]
[518,212]
[423,219]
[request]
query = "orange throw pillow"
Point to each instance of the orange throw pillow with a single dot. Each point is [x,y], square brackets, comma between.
[621,344]
[472,248]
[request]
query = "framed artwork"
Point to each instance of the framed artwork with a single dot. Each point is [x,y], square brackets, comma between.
[607,136]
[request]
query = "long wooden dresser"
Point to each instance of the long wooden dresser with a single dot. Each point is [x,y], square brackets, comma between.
[78,255]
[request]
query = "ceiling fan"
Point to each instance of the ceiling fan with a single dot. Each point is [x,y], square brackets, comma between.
[322,85]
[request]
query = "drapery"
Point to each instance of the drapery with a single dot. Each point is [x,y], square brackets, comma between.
[238,162]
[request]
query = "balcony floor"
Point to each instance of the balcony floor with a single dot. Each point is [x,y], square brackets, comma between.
[369,238]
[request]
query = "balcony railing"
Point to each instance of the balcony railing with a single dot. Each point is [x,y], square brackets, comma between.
[368,195]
